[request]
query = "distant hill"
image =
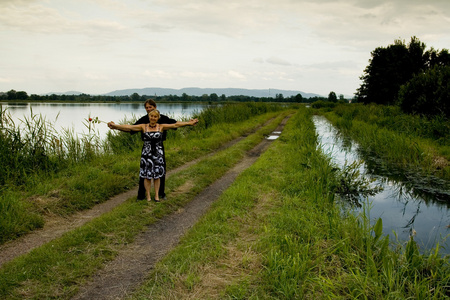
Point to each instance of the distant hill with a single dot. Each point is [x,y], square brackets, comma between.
[194,91]
[76,93]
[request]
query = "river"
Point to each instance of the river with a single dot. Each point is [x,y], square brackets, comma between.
[406,205]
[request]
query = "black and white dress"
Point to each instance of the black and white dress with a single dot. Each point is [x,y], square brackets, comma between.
[152,157]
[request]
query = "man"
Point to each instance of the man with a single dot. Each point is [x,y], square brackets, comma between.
[150,105]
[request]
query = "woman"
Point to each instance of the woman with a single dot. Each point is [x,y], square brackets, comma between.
[152,157]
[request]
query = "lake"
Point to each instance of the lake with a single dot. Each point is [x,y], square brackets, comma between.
[75,115]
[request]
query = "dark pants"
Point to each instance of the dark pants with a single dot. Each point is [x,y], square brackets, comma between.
[162,184]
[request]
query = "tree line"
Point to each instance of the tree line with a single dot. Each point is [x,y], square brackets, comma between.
[409,76]
[14,95]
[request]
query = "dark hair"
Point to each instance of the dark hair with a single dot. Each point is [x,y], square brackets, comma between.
[151,102]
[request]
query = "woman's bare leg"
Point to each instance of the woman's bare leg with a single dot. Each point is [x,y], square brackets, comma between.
[148,186]
[156,182]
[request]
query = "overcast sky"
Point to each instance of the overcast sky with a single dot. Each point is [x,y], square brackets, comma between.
[99,46]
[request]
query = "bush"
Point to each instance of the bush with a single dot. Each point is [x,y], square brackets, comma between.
[323,104]
[427,93]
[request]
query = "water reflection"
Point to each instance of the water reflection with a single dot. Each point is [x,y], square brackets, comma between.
[408,203]
[73,116]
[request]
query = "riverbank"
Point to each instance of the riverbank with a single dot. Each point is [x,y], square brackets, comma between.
[414,144]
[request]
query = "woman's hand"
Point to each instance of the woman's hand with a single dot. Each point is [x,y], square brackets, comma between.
[111,125]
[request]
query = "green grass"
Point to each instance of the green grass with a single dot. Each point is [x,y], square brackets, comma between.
[277,233]
[56,269]
[414,144]
[86,172]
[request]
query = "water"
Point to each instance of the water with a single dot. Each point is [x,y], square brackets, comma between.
[407,204]
[74,115]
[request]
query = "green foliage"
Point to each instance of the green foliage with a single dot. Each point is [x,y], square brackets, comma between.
[57,269]
[332,97]
[229,113]
[16,217]
[427,93]
[279,217]
[323,104]
[411,143]
[25,149]
[393,118]
[389,68]
[74,172]
[408,76]
[352,185]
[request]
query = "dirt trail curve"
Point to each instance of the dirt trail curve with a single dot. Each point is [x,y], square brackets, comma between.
[119,277]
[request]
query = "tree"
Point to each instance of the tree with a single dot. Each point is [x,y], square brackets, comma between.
[390,68]
[213,97]
[185,97]
[11,95]
[135,97]
[279,97]
[205,97]
[332,97]
[298,98]
[435,58]
[427,93]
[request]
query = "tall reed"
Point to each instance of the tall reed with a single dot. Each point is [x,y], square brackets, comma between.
[412,143]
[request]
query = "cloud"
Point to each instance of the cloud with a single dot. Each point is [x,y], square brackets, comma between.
[31,17]
[236,75]
[158,74]
[288,44]
[278,61]
[5,79]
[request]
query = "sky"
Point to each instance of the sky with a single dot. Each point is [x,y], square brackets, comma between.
[99,46]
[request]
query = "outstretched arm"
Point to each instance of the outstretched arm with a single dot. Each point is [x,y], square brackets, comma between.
[126,127]
[179,124]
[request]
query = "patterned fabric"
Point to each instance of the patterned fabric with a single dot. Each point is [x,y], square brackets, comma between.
[152,157]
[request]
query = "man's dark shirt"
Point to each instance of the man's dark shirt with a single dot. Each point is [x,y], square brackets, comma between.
[163,119]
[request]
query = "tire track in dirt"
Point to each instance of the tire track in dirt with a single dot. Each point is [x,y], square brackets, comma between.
[128,270]
[56,226]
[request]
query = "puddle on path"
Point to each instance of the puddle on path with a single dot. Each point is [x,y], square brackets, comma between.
[406,204]
[274,135]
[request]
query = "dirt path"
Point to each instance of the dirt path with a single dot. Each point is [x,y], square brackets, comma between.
[119,277]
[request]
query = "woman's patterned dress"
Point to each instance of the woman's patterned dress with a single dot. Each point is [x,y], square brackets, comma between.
[152,158]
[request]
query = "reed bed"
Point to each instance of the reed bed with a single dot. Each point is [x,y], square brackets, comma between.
[412,143]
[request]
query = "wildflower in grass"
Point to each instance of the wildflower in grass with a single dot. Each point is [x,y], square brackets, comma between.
[95,120]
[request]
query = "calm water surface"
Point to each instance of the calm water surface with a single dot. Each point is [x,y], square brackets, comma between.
[74,115]
[406,204]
